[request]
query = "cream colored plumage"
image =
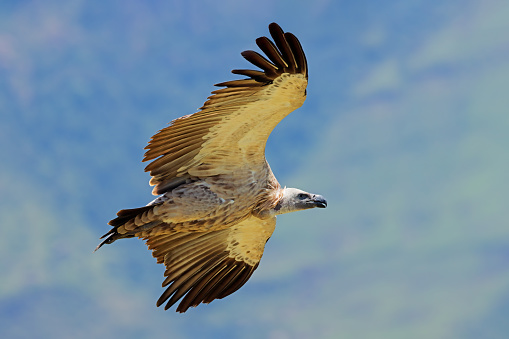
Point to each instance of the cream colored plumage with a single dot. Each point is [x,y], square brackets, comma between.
[218,196]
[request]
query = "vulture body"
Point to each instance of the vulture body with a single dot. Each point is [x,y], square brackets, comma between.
[218,198]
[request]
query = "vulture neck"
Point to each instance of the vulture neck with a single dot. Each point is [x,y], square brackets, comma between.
[281,203]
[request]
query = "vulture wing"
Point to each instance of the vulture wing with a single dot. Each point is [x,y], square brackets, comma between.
[232,127]
[203,266]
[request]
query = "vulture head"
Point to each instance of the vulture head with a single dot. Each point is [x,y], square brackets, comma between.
[294,199]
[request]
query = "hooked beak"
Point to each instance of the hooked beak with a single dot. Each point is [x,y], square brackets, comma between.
[319,201]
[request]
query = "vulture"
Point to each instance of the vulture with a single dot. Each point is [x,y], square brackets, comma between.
[217,196]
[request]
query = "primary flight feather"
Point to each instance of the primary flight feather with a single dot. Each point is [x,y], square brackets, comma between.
[218,198]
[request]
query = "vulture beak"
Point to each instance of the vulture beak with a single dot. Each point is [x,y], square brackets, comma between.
[319,201]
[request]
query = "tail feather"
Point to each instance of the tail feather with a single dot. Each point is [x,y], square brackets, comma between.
[123,216]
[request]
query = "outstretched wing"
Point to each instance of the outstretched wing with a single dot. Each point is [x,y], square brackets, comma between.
[233,125]
[205,266]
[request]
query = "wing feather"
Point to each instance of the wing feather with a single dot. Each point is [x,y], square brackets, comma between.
[271,51]
[232,126]
[191,278]
[229,277]
[202,288]
[300,57]
[259,61]
[257,75]
[287,53]
[232,90]
[238,281]
[172,162]
[240,83]
[176,140]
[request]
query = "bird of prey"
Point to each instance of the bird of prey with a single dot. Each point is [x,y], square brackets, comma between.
[218,198]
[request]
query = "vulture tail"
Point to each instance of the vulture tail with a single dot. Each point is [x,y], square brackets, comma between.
[123,217]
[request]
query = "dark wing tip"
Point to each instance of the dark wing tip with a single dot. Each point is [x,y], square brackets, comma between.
[291,49]
[283,55]
[298,53]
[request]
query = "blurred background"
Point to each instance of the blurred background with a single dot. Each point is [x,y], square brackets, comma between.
[405,132]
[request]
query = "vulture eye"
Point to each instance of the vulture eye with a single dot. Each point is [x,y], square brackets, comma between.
[302,196]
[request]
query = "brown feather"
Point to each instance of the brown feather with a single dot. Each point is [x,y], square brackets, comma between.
[214,293]
[258,60]
[172,162]
[196,295]
[257,75]
[192,263]
[271,51]
[279,38]
[185,281]
[238,281]
[298,53]
[240,83]
[178,134]
[232,91]
[192,278]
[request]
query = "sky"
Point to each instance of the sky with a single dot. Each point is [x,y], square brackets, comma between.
[404,131]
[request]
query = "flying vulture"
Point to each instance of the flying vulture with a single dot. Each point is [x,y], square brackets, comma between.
[218,198]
